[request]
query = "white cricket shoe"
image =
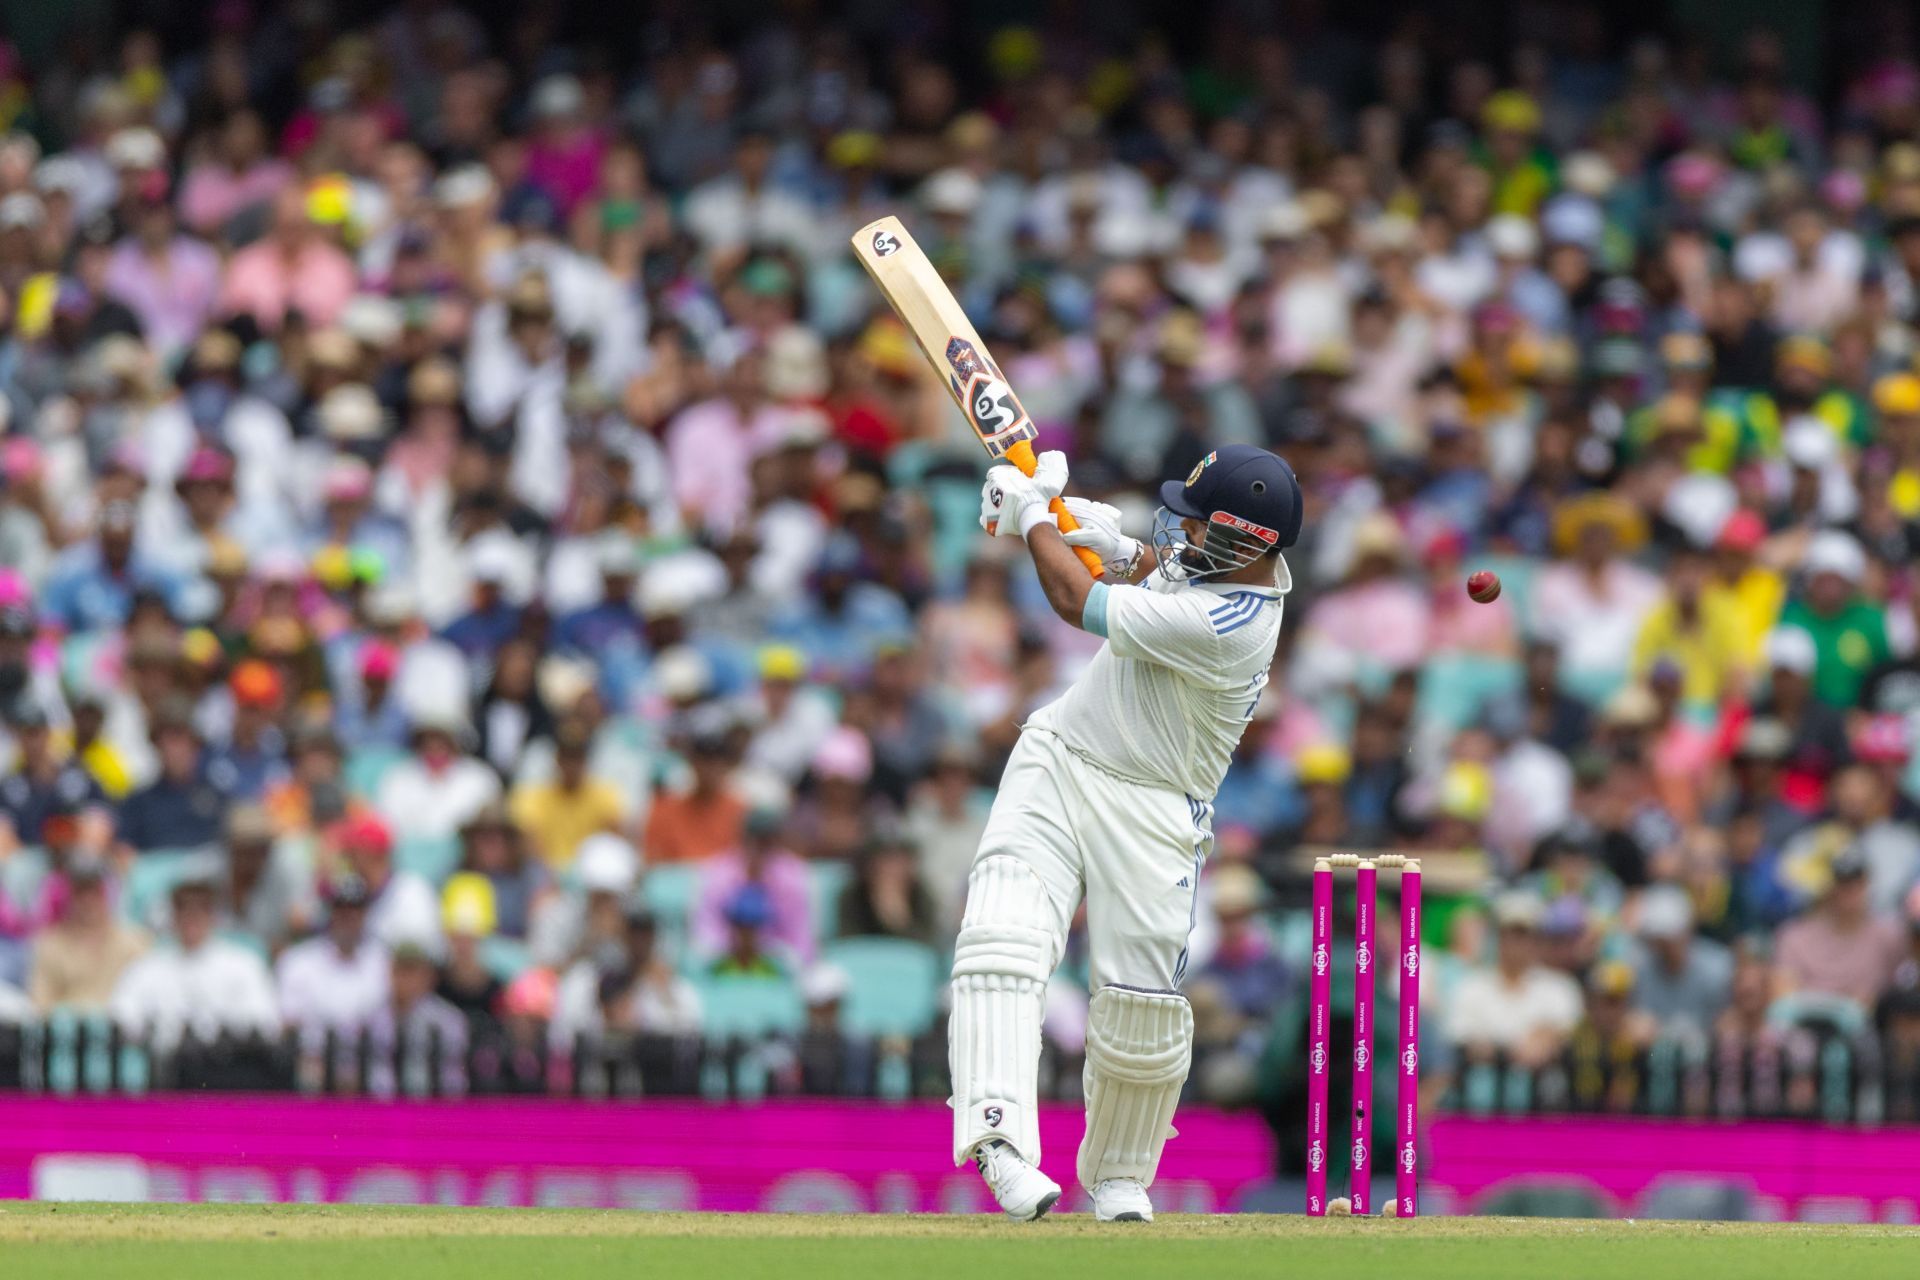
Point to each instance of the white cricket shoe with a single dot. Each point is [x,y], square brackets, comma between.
[1022,1190]
[1121,1200]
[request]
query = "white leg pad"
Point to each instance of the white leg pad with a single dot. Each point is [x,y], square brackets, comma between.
[1006,951]
[1139,1049]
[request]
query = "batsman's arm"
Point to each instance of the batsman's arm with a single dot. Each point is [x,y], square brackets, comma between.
[1062,576]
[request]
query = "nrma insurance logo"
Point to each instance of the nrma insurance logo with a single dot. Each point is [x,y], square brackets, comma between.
[1361,1056]
[1409,1059]
[1316,1157]
[1363,957]
[1318,1059]
[1407,1157]
[1321,961]
[1410,963]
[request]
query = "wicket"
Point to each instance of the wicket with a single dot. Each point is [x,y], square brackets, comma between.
[1358,1201]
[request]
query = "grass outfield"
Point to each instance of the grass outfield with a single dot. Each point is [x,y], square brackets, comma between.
[214,1242]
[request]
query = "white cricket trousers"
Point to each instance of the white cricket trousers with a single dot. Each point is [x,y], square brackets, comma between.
[1062,829]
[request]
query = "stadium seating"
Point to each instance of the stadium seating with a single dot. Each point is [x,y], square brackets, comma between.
[895,987]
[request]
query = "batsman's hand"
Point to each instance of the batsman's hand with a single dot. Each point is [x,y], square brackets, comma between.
[1012,503]
[1100,533]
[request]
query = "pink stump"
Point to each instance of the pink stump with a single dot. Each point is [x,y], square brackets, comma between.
[1407,1101]
[1363,944]
[1319,1026]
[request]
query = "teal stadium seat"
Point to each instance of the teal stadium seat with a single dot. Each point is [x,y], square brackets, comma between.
[506,958]
[749,1007]
[431,857]
[367,767]
[150,882]
[827,881]
[894,988]
[669,892]
[1455,687]
[1516,581]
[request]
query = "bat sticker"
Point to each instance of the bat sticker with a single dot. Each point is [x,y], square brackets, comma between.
[990,404]
[885,243]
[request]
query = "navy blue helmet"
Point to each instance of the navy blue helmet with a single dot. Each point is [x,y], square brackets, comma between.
[1250,501]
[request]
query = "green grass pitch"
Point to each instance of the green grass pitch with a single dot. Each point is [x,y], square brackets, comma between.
[208,1242]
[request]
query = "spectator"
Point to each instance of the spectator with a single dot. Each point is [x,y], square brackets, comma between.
[1842,947]
[1593,602]
[268,891]
[558,814]
[186,806]
[40,786]
[886,898]
[1606,1047]
[79,959]
[748,913]
[332,984]
[1681,981]
[1249,976]
[436,789]
[491,847]
[401,905]
[467,916]
[759,859]
[571,925]
[1517,1007]
[415,1028]
[196,983]
[699,819]
[1849,631]
[627,988]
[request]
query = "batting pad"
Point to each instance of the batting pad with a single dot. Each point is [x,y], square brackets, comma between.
[1139,1047]
[1001,962]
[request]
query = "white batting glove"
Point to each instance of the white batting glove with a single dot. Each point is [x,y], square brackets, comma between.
[1012,503]
[1099,532]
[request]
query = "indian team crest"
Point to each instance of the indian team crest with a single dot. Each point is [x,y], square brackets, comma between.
[1198,467]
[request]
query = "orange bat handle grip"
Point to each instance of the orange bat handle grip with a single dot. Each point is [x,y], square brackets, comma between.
[1021,456]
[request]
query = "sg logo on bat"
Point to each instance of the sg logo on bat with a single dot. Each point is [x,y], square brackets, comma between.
[885,243]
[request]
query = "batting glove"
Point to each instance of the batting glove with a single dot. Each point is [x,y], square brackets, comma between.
[1099,532]
[1012,503]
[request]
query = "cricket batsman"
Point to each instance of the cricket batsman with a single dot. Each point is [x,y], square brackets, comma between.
[1108,795]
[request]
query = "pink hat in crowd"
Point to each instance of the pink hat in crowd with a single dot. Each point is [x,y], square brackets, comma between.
[844,754]
[378,661]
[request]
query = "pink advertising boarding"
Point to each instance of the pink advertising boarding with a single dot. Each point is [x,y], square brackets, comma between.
[849,1156]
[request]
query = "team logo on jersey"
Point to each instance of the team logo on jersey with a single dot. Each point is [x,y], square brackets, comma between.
[1198,467]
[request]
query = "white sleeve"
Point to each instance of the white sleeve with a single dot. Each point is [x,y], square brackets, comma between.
[1177,631]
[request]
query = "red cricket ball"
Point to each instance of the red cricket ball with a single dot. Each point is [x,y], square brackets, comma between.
[1484,587]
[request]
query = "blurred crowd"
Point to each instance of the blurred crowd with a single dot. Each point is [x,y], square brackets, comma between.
[474,548]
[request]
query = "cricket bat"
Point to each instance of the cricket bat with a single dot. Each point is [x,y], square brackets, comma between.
[960,360]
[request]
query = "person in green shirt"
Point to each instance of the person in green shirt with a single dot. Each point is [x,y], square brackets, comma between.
[748,914]
[1849,630]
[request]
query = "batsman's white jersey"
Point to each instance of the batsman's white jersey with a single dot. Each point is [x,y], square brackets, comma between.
[1166,698]
[1107,797]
